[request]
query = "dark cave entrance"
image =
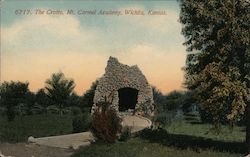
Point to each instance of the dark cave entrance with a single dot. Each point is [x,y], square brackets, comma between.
[127,98]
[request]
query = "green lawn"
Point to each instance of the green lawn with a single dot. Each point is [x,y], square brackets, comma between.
[34,125]
[141,148]
[192,126]
[183,138]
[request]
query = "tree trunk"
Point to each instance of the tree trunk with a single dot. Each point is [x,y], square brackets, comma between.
[248,128]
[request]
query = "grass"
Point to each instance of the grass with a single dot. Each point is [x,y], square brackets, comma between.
[193,127]
[182,138]
[186,137]
[141,148]
[34,125]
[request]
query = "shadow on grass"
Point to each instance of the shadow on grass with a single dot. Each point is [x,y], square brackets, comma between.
[192,142]
[196,122]
[190,118]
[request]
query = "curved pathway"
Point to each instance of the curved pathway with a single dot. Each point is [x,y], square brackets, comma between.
[137,123]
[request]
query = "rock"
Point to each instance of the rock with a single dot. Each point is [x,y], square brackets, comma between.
[118,76]
[1,155]
[31,139]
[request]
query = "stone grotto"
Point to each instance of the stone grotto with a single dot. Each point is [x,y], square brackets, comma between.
[125,87]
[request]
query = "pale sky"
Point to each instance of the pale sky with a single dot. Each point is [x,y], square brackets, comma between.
[35,46]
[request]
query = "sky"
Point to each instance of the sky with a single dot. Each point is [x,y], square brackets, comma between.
[33,46]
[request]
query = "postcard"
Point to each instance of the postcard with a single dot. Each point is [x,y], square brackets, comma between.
[123,78]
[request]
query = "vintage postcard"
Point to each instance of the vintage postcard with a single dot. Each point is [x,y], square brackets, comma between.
[124,78]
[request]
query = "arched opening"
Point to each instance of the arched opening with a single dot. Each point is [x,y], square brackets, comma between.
[127,98]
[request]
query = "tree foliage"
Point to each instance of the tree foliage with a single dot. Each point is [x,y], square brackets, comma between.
[189,102]
[217,67]
[159,99]
[170,102]
[88,97]
[12,94]
[217,34]
[59,89]
[175,100]
[42,98]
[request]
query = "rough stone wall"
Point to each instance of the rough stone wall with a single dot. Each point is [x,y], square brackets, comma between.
[119,76]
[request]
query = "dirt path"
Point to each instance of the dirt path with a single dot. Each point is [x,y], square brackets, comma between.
[65,141]
[32,150]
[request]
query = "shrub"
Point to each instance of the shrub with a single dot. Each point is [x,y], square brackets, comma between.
[77,124]
[2,110]
[81,122]
[65,111]
[21,109]
[37,109]
[75,110]
[125,134]
[106,124]
[52,109]
[164,119]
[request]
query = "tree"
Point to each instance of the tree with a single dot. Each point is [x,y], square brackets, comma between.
[74,100]
[59,89]
[30,101]
[217,67]
[189,102]
[42,98]
[11,94]
[159,99]
[174,100]
[88,97]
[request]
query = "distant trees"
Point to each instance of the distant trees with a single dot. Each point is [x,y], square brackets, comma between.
[13,93]
[175,100]
[167,106]
[189,102]
[170,102]
[56,97]
[159,99]
[42,98]
[88,97]
[59,89]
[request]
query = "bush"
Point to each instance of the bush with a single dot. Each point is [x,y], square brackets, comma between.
[77,124]
[52,109]
[75,110]
[65,111]
[11,113]
[106,124]
[2,110]
[164,119]
[125,134]
[81,122]
[37,109]
[21,109]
